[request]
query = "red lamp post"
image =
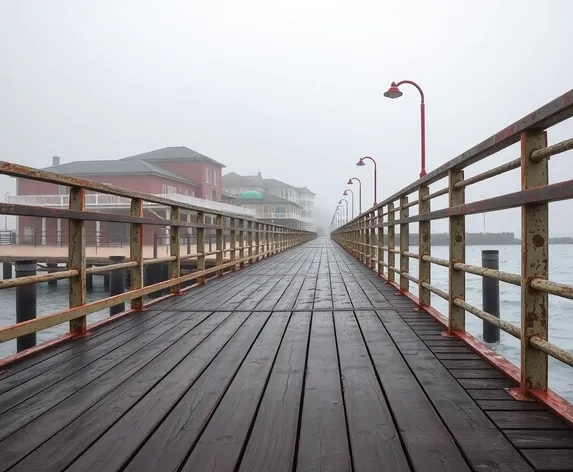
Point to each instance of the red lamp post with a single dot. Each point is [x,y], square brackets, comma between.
[361,163]
[395,92]
[350,182]
[351,193]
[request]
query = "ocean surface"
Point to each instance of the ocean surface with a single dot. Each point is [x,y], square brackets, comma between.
[54,298]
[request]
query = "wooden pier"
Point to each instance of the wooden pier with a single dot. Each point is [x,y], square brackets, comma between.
[307,361]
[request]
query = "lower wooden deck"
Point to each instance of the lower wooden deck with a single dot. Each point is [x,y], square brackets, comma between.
[306,361]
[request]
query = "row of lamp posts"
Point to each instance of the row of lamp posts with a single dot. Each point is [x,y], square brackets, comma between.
[341,213]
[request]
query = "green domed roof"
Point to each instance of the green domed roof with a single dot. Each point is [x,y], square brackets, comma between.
[252,195]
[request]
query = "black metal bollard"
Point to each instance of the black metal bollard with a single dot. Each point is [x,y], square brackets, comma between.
[25,302]
[116,284]
[490,294]
[6,270]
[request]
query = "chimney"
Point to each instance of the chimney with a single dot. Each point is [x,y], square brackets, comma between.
[55,161]
[260,176]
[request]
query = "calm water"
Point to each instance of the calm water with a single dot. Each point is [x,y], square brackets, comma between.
[54,298]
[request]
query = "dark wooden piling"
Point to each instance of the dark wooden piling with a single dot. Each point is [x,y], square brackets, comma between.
[116,284]
[25,302]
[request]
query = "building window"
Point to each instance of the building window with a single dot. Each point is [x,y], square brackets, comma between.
[171,190]
[207,175]
[62,189]
[215,178]
[164,189]
[280,210]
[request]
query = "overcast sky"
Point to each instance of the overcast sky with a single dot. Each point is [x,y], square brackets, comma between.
[292,89]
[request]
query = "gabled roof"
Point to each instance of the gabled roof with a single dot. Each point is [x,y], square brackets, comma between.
[271,183]
[115,167]
[232,179]
[306,189]
[268,198]
[174,153]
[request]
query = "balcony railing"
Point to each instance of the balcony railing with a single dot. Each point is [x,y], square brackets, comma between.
[114,201]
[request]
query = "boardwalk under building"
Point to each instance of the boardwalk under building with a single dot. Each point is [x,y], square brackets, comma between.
[306,361]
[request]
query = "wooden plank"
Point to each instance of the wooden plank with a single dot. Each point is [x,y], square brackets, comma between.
[188,334]
[153,391]
[23,371]
[211,300]
[272,443]
[474,432]
[233,302]
[536,439]
[498,394]
[340,297]
[445,342]
[268,303]
[219,405]
[357,296]
[556,460]
[450,349]
[323,294]
[504,405]
[323,439]
[55,386]
[305,298]
[180,401]
[526,420]
[259,294]
[374,440]
[490,373]
[414,414]
[447,356]
[289,297]
[486,384]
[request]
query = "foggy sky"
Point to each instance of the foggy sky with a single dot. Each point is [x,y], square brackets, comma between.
[292,89]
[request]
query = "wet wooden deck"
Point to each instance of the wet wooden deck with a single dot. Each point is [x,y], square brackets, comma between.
[306,361]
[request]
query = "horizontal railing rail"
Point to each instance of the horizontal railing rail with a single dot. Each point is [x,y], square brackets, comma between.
[364,236]
[249,241]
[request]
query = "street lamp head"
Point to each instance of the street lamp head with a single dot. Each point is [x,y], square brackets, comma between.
[393,91]
[361,163]
[349,182]
[345,192]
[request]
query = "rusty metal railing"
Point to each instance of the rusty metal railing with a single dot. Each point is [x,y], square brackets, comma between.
[249,241]
[365,235]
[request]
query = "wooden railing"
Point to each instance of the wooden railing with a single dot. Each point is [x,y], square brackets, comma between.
[249,241]
[365,236]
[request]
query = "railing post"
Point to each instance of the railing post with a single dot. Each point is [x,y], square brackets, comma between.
[77,259]
[534,257]
[373,251]
[175,243]
[257,241]
[219,236]
[424,245]
[201,245]
[136,251]
[404,244]
[391,243]
[457,278]
[233,243]
[380,220]
[250,241]
[242,243]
